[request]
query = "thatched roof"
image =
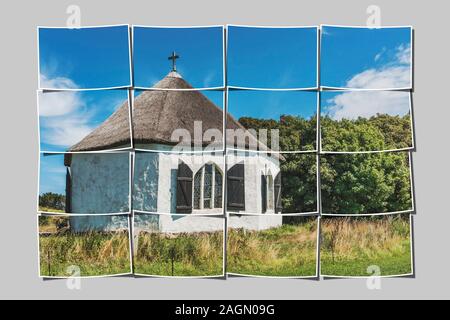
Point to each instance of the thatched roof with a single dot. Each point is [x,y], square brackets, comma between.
[156,114]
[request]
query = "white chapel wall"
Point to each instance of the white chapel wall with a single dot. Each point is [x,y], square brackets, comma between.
[255,165]
[100,182]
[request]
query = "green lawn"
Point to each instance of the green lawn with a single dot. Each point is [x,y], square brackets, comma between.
[193,254]
[350,247]
[289,251]
[95,254]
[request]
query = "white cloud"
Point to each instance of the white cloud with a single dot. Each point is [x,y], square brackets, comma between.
[403,54]
[66,131]
[58,103]
[351,105]
[63,118]
[57,83]
[393,74]
[388,78]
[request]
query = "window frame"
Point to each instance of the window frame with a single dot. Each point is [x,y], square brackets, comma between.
[270,193]
[214,169]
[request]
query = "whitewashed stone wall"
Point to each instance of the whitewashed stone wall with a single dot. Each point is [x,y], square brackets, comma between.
[100,182]
[255,165]
[146,181]
[255,222]
[194,223]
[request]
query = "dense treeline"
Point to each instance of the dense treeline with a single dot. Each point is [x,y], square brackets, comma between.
[359,183]
[295,133]
[52,200]
[365,183]
[380,132]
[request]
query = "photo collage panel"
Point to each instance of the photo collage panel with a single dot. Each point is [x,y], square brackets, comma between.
[225,151]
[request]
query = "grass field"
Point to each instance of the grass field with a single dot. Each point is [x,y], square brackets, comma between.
[94,253]
[351,245]
[193,254]
[48,209]
[289,250]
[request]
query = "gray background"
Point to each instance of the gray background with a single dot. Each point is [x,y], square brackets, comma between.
[18,170]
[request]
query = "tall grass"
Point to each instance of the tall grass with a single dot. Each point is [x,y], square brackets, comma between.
[185,254]
[94,253]
[289,250]
[351,245]
[48,209]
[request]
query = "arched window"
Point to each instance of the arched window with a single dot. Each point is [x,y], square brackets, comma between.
[208,187]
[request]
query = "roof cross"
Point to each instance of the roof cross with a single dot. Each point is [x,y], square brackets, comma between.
[174,57]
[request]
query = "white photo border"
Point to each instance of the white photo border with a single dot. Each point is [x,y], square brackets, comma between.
[405,275]
[411,119]
[185,27]
[224,244]
[313,277]
[411,210]
[130,62]
[130,96]
[269,151]
[204,150]
[316,27]
[318,189]
[130,187]
[411,80]
[82,277]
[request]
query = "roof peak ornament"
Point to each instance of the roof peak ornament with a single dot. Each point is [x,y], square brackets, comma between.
[174,56]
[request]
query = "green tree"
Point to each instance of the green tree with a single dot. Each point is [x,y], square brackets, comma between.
[52,200]
[365,183]
[359,183]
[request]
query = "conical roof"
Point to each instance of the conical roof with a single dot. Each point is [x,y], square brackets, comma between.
[157,114]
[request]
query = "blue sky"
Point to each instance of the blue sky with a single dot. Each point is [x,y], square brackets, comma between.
[200,51]
[272,57]
[52,177]
[67,117]
[84,58]
[365,58]
[271,104]
[215,96]
[365,104]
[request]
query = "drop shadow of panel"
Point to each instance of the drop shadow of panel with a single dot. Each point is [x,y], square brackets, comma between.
[413,248]
[413,185]
[312,278]
[407,276]
[181,277]
[413,124]
[413,58]
[411,275]
[334,202]
[45,279]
